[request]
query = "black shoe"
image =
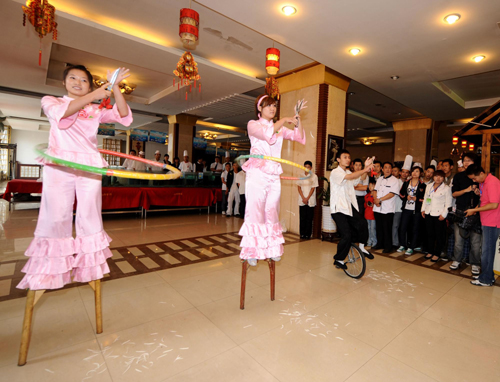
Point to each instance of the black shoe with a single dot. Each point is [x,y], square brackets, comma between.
[377,247]
[368,255]
[340,265]
[387,251]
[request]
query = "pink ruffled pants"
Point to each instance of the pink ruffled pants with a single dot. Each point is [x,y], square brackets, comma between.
[54,255]
[262,232]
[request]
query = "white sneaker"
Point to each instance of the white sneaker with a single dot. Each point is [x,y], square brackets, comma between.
[223,212]
[475,270]
[401,249]
[252,262]
[479,283]
[276,258]
[455,265]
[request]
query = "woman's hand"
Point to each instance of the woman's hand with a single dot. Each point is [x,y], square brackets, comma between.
[441,218]
[101,93]
[423,214]
[292,120]
[122,74]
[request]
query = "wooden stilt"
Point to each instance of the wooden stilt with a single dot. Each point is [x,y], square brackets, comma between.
[272,272]
[96,286]
[31,300]
[244,269]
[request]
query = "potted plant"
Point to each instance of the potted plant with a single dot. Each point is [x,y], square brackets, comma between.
[328,227]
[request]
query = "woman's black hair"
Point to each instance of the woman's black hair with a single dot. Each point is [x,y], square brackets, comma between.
[83,69]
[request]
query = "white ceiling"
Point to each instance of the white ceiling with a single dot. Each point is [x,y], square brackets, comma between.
[407,38]
[397,37]
[143,37]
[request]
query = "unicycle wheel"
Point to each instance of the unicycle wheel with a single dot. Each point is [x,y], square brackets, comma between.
[356,263]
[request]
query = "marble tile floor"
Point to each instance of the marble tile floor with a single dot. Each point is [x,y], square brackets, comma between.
[400,322]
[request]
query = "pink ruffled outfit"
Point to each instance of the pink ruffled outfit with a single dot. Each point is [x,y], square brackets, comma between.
[54,255]
[262,232]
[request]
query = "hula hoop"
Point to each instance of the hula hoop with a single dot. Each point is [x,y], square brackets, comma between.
[40,150]
[279,160]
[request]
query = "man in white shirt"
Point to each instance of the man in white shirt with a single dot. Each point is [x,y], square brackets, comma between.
[360,186]
[307,201]
[241,181]
[216,166]
[344,208]
[129,164]
[225,191]
[140,166]
[386,189]
[158,156]
[186,165]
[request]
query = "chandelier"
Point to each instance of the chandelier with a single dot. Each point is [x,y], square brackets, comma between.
[125,87]
[208,136]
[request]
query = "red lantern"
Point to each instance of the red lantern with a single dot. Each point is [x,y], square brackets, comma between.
[41,15]
[455,141]
[272,61]
[464,144]
[471,146]
[188,26]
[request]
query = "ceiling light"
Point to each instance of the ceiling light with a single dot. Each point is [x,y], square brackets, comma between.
[288,10]
[478,58]
[368,141]
[351,93]
[452,19]
[354,51]
[395,78]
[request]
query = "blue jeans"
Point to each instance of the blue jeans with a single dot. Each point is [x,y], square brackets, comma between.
[372,233]
[490,237]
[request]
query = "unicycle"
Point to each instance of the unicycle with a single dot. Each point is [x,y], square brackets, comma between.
[356,263]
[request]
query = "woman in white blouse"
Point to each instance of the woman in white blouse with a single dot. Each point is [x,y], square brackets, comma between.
[435,206]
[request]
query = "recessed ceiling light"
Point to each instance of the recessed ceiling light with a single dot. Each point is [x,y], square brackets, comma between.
[288,10]
[354,51]
[452,19]
[478,58]
[395,78]
[351,93]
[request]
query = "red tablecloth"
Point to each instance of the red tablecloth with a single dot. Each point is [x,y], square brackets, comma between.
[178,197]
[114,198]
[22,186]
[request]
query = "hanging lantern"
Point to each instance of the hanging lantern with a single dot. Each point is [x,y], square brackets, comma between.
[272,61]
[455,140]
[41,15]
[464,144]
[272,88]
[471,146]
[187,72]
[188,27]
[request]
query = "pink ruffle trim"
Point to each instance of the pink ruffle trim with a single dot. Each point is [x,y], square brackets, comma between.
[261,230]
[261,241]
[92,243]
[90,159]
[52,261]
[267,166]
[261,253]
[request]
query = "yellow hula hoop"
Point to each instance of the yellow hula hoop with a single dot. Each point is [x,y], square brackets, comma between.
[279,160]
[40,150]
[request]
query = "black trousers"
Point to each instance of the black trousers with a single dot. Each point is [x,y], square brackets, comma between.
[352,229]
[409,228]
[306,220]
[243,203]
[384,230]
[361,205]
[436,234]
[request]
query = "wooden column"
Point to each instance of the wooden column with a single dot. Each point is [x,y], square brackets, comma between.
[486,153]
[322,137]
